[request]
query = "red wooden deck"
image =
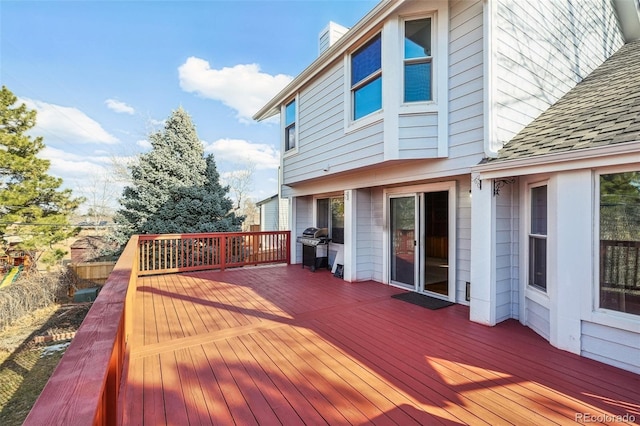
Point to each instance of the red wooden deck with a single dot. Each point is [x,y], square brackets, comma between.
[283,345]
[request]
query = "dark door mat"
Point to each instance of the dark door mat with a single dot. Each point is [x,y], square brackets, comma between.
[422,300]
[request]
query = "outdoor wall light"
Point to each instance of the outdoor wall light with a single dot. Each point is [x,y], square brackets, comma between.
[498,184]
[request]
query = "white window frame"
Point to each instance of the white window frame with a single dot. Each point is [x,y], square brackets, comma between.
[283,126]
[437,51]
[593,312]
[350,123]
[536,293]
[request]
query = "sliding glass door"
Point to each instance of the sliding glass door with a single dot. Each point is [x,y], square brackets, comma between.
[402,215]
[419,226]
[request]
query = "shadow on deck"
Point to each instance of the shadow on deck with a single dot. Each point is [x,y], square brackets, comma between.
[282,345]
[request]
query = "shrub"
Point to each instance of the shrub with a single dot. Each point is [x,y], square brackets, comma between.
[32,292]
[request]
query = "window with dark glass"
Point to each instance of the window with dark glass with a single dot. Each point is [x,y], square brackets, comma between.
[417,60]
[538,238]
[620,242]
[290,126]
[330,214]
[366,78]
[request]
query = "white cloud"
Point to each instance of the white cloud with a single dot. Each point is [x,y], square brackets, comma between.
[67,124]
[81,173]
[157,123]
[144,144]
[263,156]
[74,166]
[119,107]
[242,87]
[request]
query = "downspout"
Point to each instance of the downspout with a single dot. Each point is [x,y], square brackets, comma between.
[491,145]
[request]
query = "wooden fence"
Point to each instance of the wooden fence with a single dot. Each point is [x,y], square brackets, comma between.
[95,272]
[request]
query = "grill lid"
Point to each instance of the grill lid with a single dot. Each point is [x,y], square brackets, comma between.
[316,232]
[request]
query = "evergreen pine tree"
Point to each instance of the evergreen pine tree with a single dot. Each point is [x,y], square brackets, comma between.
[32,206]
[174,188]
[200,208]
[175,161]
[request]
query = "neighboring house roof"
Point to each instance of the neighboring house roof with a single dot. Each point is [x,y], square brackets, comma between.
[91,242]
[602,110]
[266,200]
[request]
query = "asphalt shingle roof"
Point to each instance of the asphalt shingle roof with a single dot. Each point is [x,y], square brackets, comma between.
[603,109]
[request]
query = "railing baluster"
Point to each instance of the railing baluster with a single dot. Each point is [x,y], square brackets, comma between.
[159,254]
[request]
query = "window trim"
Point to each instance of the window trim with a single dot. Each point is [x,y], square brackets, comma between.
[533,289]
[352,124]
[419,105]
[283,126]
[364,82]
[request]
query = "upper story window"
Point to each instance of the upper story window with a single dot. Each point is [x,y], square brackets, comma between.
[620,242]
[417,60]
[366,78]
[538,238]
[290,126]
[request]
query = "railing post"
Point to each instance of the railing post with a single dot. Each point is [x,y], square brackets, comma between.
[288,247]
[223,254]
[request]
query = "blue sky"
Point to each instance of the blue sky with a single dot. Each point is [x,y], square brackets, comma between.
[104,74]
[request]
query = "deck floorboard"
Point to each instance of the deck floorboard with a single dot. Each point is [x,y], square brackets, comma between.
[282,345]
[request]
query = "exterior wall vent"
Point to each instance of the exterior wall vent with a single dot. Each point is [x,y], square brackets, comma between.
[329,35]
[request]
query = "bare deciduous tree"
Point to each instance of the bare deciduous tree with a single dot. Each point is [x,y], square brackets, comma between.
[240,183]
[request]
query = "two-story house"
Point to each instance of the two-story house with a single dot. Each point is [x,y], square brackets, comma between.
[381,135]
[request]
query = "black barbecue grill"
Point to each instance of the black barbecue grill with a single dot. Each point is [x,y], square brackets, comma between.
[315,244]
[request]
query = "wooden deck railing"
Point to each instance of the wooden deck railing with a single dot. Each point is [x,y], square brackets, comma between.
[620,275]
[85,387]
[161,254]
[620,264]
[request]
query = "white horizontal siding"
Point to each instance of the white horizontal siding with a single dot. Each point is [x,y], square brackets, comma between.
[418,136]
[543,51]
[304,219]
[357,149]
[507,253]
[322,141]
[537,318]
[365,235]
[269,215]
[283,214]
[612,346]
[466,118]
